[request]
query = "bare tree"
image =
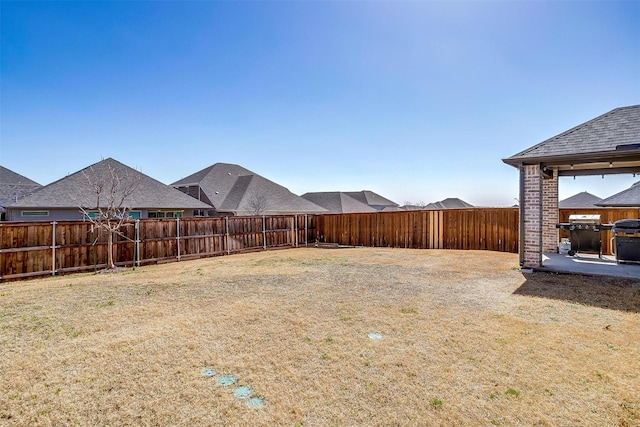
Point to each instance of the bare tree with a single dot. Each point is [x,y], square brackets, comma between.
[107,209]
[420,204]
[258,204]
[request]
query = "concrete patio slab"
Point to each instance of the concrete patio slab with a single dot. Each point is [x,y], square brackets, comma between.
[589,264]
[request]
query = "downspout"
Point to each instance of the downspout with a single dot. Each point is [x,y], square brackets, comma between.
[521,217]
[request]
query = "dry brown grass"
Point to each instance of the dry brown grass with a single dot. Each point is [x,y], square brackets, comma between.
[466,340]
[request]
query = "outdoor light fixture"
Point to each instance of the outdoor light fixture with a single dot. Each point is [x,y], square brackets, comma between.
[572,168]
[610,164]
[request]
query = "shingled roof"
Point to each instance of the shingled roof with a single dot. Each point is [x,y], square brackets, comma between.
[74,190]
[372,199]
[449,203]
[629,197]
[580,200]
[610,135]
[232,188]
[14,186]
[338,202]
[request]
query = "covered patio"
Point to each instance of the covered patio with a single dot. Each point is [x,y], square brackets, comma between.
[608,144]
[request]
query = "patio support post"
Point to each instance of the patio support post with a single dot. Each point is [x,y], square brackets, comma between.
[531,197]
[550,214]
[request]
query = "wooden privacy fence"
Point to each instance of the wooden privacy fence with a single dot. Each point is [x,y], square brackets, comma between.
[494,229]
[49,248]
[41,248]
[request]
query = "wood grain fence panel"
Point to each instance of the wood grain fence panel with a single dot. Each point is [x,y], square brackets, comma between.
[486,229]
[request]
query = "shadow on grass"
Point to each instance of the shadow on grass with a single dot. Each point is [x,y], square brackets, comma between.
[604,292]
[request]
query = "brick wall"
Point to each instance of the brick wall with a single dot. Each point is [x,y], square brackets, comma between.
[550,214]
[532,215]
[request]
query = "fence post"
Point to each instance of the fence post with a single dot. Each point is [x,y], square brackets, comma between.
[296,228]
[264,232]
[306,231]
[178,236]
[226,225]
[137,243]
[292,239]
[53,249]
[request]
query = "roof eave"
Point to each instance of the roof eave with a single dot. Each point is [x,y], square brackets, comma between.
[593,157]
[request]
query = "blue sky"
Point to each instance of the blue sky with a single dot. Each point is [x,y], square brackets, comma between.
[415,100]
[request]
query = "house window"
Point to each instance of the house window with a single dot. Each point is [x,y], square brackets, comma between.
[35,213]
[95,214]
[91,215]
[165,214]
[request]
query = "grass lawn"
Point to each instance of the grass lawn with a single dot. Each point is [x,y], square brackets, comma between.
[325,337]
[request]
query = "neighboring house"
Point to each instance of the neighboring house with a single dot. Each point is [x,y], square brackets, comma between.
[13,187]
[372,199]
[449,203]
[338,202]
[233,190]
[626,198]
[62,199]
[580,200]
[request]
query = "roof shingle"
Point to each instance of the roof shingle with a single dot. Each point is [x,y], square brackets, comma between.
[628,197]
[618,127]
[75,190]
[232,188]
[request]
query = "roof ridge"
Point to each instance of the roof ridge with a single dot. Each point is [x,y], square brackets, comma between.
[574,129]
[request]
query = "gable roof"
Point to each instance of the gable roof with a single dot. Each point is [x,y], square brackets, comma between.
[14,186]
[580,200]
[74,190]
[628,197]
[232,188]
[370,198]
[338,202]
[449,203]
[616,133]
[7,176]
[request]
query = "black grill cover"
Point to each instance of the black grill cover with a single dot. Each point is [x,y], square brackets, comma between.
[627,224]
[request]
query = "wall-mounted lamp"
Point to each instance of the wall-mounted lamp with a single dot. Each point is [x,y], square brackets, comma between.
[610,164]
[572,167]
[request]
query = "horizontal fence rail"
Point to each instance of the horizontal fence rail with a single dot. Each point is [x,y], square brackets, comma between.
[49,248]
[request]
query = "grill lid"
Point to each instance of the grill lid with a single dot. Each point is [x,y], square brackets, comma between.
[629,224]
[584,219]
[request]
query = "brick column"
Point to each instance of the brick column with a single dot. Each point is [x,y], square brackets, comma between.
[531,195]
[550,216]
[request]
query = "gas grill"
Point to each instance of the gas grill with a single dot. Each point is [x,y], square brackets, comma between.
[626,234]
[585,233]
